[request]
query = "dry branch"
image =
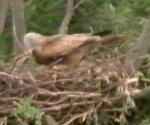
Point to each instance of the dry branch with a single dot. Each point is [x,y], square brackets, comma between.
[50,120]
[79,4]
[68,16]
[3,12]
[71,96]
[141,48]
[143,94]
[70,9]
[17,7]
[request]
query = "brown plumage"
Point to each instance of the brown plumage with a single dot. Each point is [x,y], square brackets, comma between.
[68,50]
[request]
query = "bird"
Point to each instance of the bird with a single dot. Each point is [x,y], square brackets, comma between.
[63,51]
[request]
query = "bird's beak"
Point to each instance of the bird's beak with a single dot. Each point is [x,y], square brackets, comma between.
[29,52]
[38,48]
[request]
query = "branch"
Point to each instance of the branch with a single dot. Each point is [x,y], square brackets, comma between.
[3,13]
[76,117]
[50,120]
[143,95]
[72,94]
[67,19]
[79,4]
[141,48]
[17,7]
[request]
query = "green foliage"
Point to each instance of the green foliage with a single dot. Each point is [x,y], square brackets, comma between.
[120,15]
[141,120]
[147,74]
[6,48]
[46,16]
[26,111]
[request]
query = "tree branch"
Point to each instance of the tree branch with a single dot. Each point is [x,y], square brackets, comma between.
[18,24]
[141,48]
[67,19]
[78,4]
[3,12]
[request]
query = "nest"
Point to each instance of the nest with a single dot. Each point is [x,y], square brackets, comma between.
[96,92]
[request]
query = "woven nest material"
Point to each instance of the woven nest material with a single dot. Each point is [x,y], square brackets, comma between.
[96,92]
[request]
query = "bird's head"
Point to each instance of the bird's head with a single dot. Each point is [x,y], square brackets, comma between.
[39,56]
[34,40]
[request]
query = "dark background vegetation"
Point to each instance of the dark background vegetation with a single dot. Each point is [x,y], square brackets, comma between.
[97,15]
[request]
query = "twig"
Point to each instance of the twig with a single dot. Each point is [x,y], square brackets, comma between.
[68,94]
[36,102]
[32,77]
[145,80]
[69,112]
[74,118]
[3,13]
[131,80]
[143,94]
[67,19]
[50,120]
[3,121]
[18,22]
[9,75]
[63,106]
[17,40]
[79,4]
[118,109]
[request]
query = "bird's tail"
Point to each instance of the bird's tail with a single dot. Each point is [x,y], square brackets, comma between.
[113,37]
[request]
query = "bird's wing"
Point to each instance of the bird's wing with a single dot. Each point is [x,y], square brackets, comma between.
[54,38]
[66,45]
[70,61]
